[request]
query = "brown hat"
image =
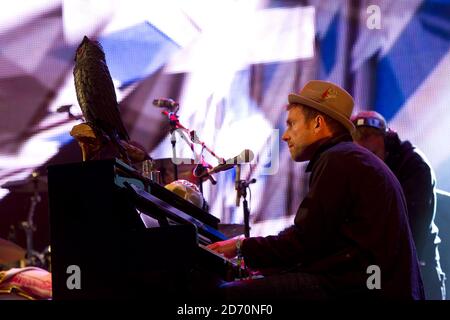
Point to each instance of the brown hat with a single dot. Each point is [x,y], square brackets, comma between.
[328,98]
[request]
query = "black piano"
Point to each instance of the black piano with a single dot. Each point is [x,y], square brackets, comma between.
[98,211]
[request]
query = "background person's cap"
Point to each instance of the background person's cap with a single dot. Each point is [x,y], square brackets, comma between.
[369,119]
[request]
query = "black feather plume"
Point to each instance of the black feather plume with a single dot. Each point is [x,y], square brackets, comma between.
[95,91]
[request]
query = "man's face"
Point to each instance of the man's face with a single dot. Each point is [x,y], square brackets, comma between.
[373,143]
[299,135]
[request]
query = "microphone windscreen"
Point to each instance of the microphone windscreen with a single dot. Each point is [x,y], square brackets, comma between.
[247,156]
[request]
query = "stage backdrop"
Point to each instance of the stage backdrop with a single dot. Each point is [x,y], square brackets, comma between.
[230,65]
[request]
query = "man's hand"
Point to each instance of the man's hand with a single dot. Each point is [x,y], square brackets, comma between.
[227,247]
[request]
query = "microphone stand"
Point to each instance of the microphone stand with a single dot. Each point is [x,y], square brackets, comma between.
[242,186]
[175,125]
[29,226]
[173,122]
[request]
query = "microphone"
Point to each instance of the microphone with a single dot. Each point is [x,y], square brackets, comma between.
[244,157]
[165,103]
[201,170]
[64,108]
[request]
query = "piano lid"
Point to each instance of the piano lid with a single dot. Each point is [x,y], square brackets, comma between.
[153,207]
[166,195]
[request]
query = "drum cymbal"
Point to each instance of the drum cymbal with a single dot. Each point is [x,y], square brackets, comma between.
[28,185]
[10,252]
[185,169]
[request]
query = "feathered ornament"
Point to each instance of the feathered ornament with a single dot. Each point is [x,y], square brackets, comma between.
[97,99]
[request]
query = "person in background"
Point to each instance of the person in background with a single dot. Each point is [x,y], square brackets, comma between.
[418,182]
[343,233]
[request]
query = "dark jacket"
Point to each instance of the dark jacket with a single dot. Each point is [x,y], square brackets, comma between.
[353,216]
[417,181]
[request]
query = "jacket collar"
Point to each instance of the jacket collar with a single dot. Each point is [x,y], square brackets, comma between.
[326,144]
